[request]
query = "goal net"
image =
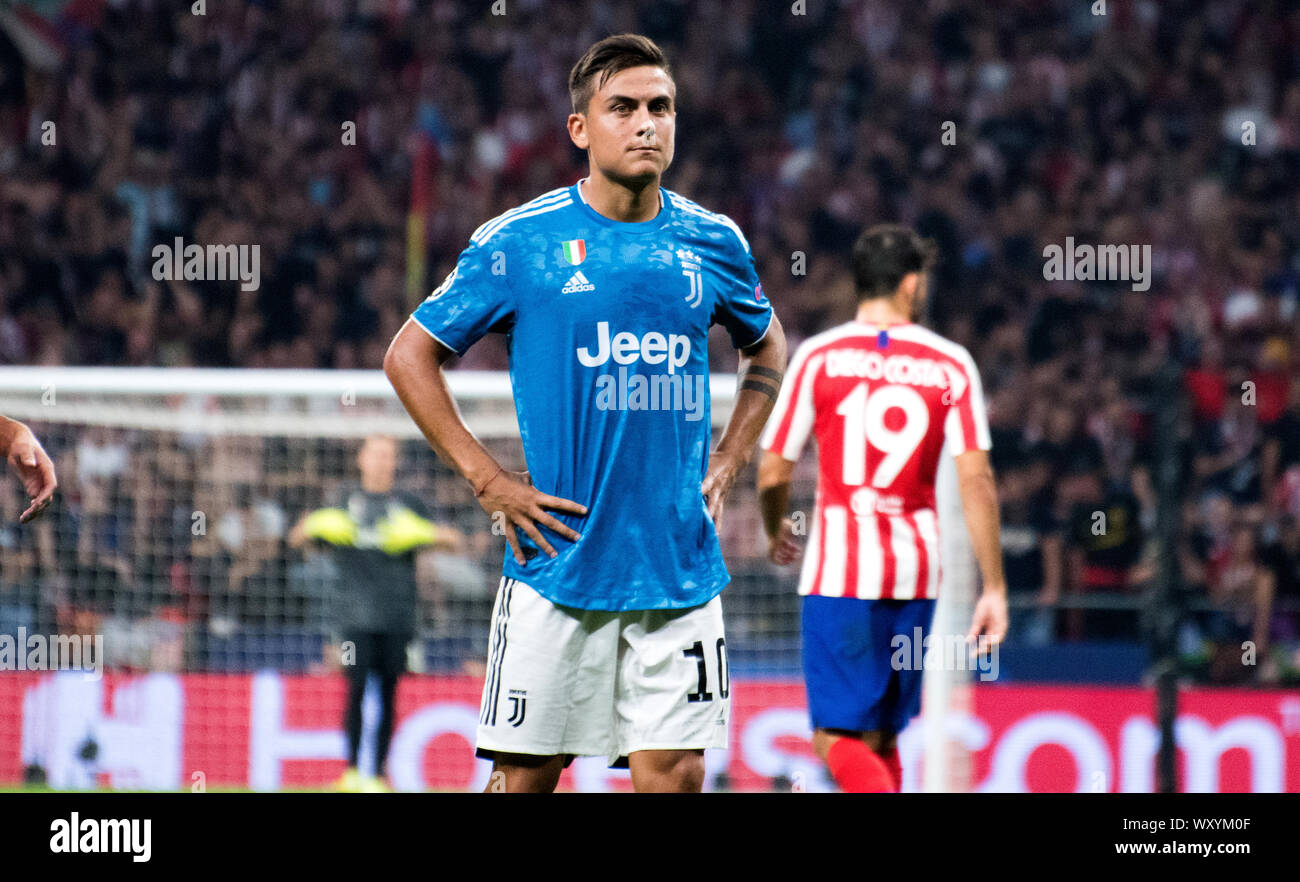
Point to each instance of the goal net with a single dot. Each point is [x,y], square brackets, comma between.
[206,653]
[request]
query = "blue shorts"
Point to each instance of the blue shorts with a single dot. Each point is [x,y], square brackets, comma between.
[847,647]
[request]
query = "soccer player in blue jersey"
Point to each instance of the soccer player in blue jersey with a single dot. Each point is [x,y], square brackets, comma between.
[607,634]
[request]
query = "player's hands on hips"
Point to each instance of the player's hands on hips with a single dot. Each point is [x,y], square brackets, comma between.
[723,468]
[783,549]
[32,465]
[523,506]
[990,619]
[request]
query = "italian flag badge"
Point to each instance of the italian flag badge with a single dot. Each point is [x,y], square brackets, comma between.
[575,251]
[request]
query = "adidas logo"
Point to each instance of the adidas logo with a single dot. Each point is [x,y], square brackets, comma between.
[577,284]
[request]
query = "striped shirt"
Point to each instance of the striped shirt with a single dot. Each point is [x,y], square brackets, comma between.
[882,404]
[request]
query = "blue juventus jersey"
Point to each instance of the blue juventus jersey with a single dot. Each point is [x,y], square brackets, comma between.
[607,325]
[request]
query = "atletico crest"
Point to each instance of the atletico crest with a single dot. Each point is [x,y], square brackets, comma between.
[575,251]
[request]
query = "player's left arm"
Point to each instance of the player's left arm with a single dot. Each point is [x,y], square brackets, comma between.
[755,331]
[761,370]
[969,441]
[979,502]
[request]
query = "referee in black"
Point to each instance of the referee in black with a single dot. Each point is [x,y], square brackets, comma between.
[374,534]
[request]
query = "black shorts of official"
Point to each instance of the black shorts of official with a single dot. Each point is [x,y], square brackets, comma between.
[383,653]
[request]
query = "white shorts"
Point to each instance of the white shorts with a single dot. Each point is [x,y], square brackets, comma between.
[563,681]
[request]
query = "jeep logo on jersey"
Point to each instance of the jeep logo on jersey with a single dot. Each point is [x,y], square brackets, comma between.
[630,390]
[626,348]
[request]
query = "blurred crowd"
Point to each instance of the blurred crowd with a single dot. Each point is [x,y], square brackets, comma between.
[997,128]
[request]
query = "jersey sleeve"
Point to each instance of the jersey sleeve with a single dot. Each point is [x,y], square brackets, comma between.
[473,299]
[967,424]
[791,421]
[742,307]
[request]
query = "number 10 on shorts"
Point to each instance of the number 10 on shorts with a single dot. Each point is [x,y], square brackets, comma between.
[702,693]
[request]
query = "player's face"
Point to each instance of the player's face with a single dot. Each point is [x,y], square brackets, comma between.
[629,126]
[378,460]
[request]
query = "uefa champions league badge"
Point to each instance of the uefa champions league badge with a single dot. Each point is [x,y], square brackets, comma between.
[882,339]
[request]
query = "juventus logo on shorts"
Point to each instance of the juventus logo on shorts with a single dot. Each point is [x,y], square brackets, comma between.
[518,707]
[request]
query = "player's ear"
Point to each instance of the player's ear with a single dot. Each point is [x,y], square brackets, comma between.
[909,287]
[578,130]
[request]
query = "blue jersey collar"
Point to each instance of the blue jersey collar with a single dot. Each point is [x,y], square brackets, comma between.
[655,223]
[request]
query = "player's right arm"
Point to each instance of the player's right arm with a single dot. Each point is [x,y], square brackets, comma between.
[474,298]
[30,463]
[414,365]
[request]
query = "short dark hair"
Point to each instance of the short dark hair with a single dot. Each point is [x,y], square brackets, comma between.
[608,57]
[884,254]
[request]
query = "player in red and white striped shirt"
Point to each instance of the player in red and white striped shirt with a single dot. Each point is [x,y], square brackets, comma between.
[883,397]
